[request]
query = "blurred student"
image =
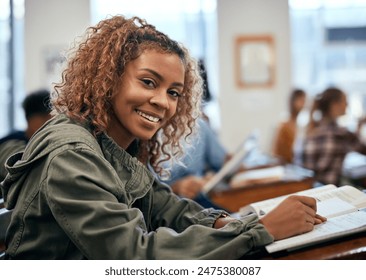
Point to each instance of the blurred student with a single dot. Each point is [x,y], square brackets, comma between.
[202,157]
[37,111]
[283,146]
[326,143]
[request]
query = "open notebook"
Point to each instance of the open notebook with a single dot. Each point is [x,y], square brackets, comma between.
[344,207]
[233,165]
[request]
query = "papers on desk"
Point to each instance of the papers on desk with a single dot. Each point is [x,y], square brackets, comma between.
[325,196]
[333,228]
[344,207]
[354,165]
[258,176]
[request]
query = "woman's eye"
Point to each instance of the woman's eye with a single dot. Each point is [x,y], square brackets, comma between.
[174,93]
[148,82]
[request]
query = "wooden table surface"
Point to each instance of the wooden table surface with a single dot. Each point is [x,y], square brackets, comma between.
[232,200]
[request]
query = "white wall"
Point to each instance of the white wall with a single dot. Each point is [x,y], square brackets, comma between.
[243,110]
[50,27]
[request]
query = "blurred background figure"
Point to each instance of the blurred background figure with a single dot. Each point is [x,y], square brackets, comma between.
[37,112]
[204,156]
[326,143]
[283,146]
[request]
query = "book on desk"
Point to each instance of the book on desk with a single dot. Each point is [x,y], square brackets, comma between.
[257,176]
[344,207]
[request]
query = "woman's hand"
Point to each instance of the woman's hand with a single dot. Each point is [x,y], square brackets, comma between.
[189,186]
[295,215]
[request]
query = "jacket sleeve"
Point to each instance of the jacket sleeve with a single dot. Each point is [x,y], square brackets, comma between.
[7,149]
[194,232]
[83,194]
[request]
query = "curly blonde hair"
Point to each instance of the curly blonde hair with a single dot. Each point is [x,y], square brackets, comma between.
[97,64]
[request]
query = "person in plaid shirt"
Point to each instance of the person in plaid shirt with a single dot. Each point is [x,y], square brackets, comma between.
[326,143]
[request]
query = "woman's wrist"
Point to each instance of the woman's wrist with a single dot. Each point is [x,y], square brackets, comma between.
[222,220]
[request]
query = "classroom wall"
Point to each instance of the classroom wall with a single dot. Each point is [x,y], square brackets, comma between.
[50,26]
[246,109]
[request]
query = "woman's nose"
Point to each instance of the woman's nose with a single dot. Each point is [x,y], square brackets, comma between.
[160,99]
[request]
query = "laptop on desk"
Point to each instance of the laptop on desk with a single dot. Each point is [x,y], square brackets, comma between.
[233,165]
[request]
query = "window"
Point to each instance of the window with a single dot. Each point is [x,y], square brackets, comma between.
[11,66]
[329,48]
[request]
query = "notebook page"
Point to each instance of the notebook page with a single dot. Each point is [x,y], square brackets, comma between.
[346,193]
[334,207]
[332,228]
[266,206]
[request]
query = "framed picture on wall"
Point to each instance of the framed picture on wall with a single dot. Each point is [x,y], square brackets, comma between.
[254,61]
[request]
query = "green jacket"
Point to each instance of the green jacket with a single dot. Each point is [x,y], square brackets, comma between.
[6,150]
[78,197]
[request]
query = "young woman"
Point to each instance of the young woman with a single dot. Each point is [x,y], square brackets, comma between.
[82,189]
[326,143]
[283,146]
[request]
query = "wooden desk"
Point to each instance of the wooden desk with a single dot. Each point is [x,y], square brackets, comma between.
[233,199]
[347,248]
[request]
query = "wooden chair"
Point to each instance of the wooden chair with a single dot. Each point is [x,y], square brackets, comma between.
[5,216]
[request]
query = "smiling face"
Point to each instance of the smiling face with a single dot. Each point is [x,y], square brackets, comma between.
[146,97]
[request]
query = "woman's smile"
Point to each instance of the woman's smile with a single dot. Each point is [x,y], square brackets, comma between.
[148,117]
